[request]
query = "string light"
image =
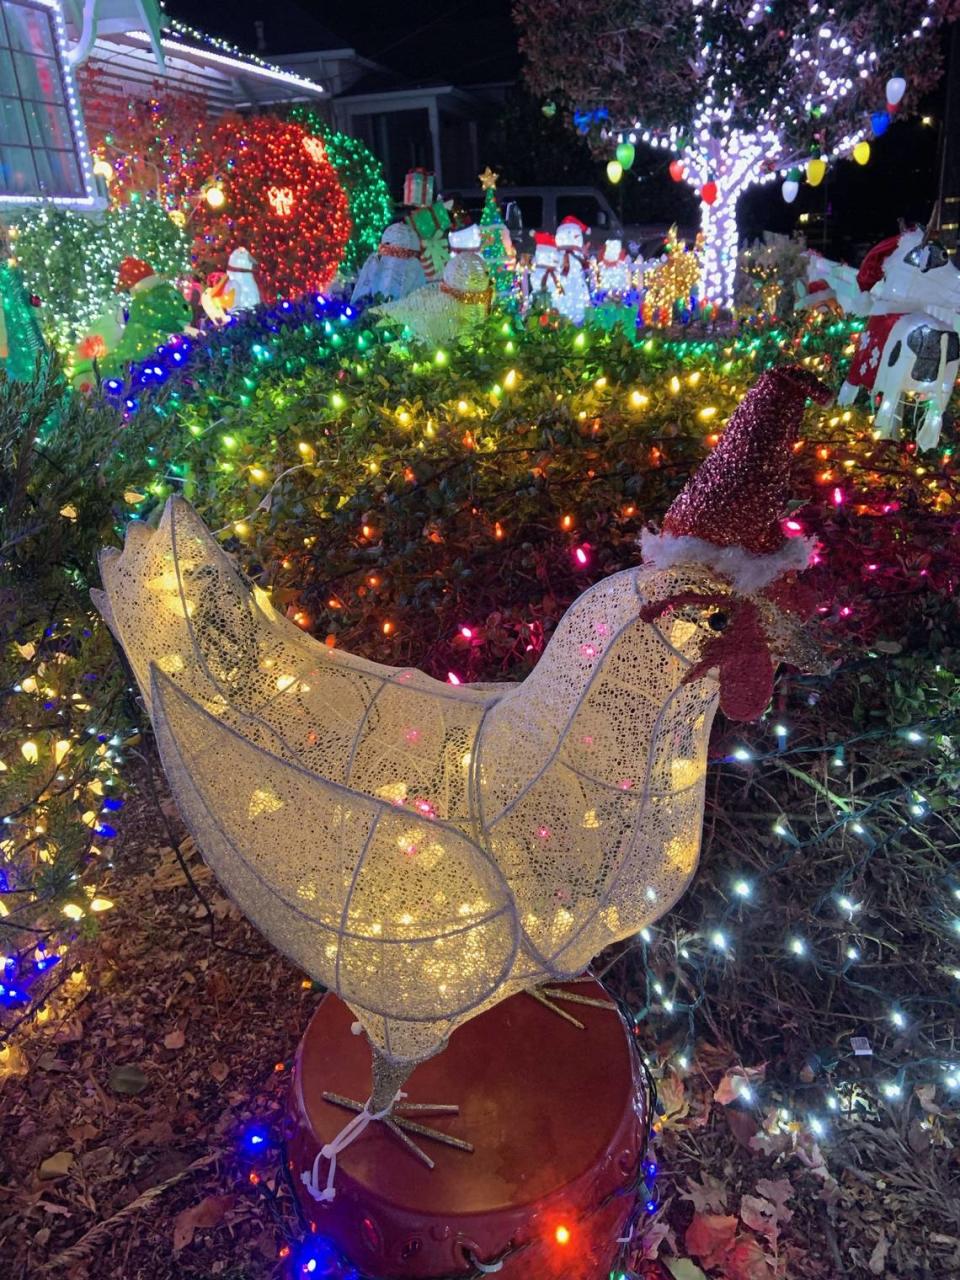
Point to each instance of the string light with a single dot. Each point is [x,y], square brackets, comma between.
[272,178]
[723,150]
[362,178]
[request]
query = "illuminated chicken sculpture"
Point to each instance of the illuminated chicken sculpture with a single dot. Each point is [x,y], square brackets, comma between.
[426,850]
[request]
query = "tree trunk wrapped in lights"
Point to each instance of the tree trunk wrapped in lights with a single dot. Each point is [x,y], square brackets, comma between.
[739,91]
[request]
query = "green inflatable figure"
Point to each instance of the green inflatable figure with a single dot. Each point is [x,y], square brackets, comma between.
[157,310]
[21,342]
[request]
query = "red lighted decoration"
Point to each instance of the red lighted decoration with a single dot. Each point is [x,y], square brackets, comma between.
[558,1119]
[285,204]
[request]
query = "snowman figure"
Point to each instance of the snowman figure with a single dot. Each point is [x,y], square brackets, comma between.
[465,239]
[543,270]
[395,269]
[443,311]
[574,290]
[613,270]
[243,282]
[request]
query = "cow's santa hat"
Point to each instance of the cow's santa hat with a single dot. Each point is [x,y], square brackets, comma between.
[728,515]
[872,267]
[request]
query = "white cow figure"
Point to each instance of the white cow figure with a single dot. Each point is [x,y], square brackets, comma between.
[910,291]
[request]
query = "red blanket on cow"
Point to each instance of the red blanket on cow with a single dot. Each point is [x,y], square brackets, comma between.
[866,362]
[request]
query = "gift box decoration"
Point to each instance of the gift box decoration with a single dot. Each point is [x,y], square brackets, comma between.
[430,221]
[418,188]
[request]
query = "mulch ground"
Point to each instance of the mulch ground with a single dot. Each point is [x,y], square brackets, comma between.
[124,1107]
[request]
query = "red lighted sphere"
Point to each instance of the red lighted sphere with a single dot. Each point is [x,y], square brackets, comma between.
[283,202]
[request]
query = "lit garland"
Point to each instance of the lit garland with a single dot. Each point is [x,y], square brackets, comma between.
[361,176]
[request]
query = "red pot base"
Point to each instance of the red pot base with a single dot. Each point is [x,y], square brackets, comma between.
[557,1117]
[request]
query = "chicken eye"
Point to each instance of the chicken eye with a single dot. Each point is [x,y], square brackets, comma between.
[718,621]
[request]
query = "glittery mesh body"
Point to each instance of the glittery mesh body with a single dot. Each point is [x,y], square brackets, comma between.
[422,849]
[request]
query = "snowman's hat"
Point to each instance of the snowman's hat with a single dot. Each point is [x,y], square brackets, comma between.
[728,515]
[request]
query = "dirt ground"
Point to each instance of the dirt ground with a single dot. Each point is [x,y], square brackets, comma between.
[124,1110]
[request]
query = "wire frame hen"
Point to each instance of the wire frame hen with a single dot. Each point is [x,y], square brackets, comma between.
[422,849]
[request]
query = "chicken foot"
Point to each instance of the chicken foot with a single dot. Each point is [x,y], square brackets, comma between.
[388,1080]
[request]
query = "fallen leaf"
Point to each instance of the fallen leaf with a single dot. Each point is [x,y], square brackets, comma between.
[747,1261]
[82,1132]
[779,1191]
[878,1259]
[760,1216]
[672,1095]
[684,1269]
[925,1096]
[653,1237]
[42,1236]
[736,1083]
[219,1071]
[174,1039]
[742,1125]
[12,1061]
[710,1236]
[48,1207]
[208,1213]
[50,1062]
[709,1194]
[56,1166]
[128,1079]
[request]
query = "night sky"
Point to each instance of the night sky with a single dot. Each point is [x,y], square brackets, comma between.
[465,42]
[458,40]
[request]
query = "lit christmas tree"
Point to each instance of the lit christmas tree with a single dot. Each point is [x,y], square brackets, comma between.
[740,91]
[496,247]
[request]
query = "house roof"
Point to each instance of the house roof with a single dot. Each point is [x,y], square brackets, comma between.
[198,63]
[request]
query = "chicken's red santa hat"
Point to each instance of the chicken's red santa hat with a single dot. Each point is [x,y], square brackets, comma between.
[872,268]
[135,274]
[546,238]
[728,515]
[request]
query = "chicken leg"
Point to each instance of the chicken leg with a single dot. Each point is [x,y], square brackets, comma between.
[388,1079]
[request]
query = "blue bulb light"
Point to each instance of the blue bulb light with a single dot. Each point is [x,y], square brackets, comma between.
[255,1139]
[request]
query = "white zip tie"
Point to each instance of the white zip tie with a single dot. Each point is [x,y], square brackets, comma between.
[330,1150]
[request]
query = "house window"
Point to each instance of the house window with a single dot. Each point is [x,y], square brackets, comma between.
[40,131]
